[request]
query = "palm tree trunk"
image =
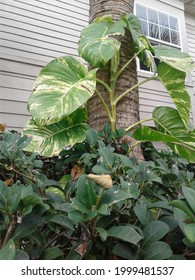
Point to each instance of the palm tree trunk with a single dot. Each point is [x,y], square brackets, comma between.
[128,107]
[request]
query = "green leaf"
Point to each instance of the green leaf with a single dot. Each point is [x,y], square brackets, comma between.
[8,252]
[50,140]
[158,251]
[184,207]
[142,214]
[153,232]
[141,43]
[97,44]
[21,255]
[190,197]
[175,58]
[62,220]
[28,226]
[113,196]
[103,233]
[85,192]
[92,137]
[34,200]
[51,253]
[189,231]
[107,156]
[174,82]
[125,233]
[172,131]
[61,87]
[123,251]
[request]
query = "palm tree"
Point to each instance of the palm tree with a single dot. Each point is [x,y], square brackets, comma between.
[128,107]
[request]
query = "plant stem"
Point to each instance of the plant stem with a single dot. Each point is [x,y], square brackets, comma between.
[132,88]
[106,86]
[9,230]
[137,123]
[19,173]
[105,106]
[132,147]
[115,77]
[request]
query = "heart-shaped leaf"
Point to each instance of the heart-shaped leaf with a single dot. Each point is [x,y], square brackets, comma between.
[50,140]
[172,131]
[175,58]
[97,44]
[61,87]
[141,44]
[174,82]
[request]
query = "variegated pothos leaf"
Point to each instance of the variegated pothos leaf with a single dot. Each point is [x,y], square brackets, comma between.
[62,86]
[50,140]
[174,81]
[97,44]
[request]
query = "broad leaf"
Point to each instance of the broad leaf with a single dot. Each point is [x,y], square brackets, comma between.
[158,251]
[107,157]
[28,226]
[102,233]
[190,197]
[61,87]
[8,252]
[189,230]
[113,196]
[92,137]
[125,233]
[153,232]
[51,253]
[181,204]
[50,140]
[141,43]
[174,82]
[85,193]
[62,220]
[172,131]
[175,58]
[97,44]
[142,214]
[123,251]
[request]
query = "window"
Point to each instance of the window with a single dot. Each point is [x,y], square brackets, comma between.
[160,28]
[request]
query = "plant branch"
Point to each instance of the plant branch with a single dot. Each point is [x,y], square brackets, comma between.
[106,86]
[9,230]
[132,147]
[132,88]
[138,123]
[115,77]
[105,105]
[19,173]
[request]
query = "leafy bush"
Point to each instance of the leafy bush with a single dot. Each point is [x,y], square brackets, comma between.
[94,202]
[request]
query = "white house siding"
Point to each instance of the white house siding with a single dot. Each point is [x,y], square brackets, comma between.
[190,27]
[153,94]
[32,34]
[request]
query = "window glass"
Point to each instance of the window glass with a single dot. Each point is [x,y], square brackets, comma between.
[152,16]
[141,12]
[163,19]
[160,28]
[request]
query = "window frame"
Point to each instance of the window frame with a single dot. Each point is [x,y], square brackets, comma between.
[155,40]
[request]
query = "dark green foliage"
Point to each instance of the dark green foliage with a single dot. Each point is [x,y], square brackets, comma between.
[50,209]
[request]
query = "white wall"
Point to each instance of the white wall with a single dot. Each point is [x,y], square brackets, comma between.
[33,33]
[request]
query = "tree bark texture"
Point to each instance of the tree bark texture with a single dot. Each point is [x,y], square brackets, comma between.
[128,107]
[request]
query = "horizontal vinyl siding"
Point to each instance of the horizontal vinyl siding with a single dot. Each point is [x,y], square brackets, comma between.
[190,27]
[32,33]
